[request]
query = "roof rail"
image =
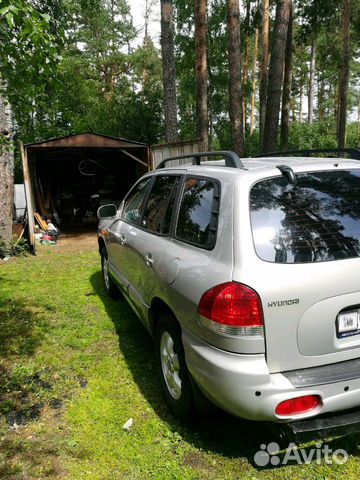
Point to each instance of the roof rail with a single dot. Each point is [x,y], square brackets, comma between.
[231,158]
[353,152]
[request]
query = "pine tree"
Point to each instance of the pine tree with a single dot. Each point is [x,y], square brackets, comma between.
[169,71]
[235,89]
[276,75]
[201,72]
[344,75]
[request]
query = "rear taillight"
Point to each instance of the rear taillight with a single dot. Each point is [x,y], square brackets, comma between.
[232,309]
[297,406]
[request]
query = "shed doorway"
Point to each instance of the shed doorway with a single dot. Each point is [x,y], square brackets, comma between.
[67,179]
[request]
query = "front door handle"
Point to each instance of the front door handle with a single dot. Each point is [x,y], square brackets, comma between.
[149,259]
[122,239]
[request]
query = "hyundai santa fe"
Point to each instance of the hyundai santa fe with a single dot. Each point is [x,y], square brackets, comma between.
[247,275]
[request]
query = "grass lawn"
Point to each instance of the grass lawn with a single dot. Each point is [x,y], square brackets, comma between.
[75,366]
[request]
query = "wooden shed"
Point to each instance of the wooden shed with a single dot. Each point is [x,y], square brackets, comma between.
[68,178]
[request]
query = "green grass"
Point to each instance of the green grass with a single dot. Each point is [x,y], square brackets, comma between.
[62,340]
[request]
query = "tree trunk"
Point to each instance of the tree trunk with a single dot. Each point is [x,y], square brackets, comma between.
[169,73]
[344,75]
[293,109]
[6,170]
[321,97]
[244,82]
[286,98]
[312,81]
[264,66]
[201,72]
[276,71]
[301,103]
[235,87]
[336,106]
[253,95]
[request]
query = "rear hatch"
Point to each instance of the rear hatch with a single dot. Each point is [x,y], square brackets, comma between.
[306,238]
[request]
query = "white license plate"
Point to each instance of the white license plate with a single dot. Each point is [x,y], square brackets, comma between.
[348,322]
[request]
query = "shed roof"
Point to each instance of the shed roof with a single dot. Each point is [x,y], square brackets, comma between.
[85,140]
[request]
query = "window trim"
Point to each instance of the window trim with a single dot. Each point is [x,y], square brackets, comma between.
[215,211]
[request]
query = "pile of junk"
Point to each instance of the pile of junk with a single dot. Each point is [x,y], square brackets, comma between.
[45,231]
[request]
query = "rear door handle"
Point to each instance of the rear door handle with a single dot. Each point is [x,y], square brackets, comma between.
[149,259]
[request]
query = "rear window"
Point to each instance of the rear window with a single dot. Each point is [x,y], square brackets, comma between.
[315,220]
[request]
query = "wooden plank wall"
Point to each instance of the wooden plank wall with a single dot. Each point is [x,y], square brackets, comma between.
[161,152]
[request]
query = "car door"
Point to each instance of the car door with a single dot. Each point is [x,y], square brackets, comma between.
[121,229]
[147,241]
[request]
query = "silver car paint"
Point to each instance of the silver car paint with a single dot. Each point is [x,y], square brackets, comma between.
[290,333]
[231,370]
[234,382]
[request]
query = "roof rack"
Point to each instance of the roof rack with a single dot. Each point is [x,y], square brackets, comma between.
[231,158]
[353,152]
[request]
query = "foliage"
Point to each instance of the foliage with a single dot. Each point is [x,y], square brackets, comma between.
[72,66]
[17,248]
[98,81]
[30,43]
[320,134]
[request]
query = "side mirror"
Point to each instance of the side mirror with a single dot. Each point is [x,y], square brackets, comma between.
[106,211]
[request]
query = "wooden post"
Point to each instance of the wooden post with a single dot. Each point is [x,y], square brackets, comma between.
[29,196]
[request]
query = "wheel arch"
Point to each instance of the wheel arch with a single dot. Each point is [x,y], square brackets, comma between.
[157,308]
[102,244]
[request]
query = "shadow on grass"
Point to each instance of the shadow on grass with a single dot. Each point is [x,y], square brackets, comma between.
[22,329]
[220,432]
[217,432]
[19,462]
[22,322]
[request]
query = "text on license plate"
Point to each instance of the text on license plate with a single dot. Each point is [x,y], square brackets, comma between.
[348,323]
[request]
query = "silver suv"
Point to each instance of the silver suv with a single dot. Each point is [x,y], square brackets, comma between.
[247,275]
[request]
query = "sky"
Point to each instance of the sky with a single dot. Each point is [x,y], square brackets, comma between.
[138,13]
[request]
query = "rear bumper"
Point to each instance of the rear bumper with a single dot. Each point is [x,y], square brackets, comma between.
[243,385]
[324,426]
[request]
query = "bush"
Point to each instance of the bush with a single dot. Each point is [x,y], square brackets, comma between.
[15,249]
[352,135]
[316,135]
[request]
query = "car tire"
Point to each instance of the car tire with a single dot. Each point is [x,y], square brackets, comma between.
[110,287]
[173,372]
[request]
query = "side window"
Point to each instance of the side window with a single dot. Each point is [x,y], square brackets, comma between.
[197,221]
[157,215]
[134,202]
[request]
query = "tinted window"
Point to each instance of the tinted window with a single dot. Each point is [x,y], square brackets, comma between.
[157,215]
[315,220]
[134,202]
[197,215]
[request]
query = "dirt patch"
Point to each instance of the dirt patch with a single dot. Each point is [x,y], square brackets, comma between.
[71,241]
[194,460]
